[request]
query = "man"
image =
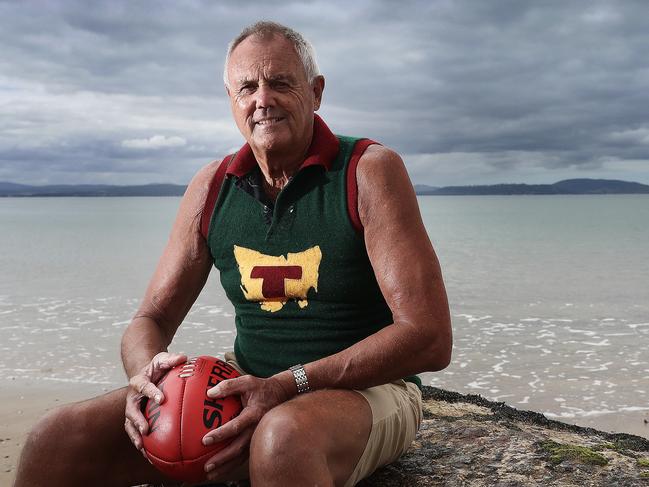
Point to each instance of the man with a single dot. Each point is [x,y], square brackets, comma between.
[321,248]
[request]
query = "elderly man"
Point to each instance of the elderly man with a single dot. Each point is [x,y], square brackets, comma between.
[338,295]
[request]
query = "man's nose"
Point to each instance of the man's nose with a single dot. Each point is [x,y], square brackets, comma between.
[265,96]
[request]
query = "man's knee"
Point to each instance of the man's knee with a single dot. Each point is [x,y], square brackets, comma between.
[283,439]
[63,431]
[78,444]
[278,429]
[53,443]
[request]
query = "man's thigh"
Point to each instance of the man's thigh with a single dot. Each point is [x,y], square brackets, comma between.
[84,442]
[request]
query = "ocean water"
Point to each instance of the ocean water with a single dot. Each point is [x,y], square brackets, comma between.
[549,296]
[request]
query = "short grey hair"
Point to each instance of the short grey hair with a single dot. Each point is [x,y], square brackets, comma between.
[265,28]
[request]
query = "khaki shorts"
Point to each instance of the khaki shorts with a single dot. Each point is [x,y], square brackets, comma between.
[396,417]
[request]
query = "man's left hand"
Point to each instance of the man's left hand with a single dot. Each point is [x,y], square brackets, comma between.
[258,396]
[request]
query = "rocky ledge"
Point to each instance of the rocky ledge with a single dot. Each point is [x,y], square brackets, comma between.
[466,440]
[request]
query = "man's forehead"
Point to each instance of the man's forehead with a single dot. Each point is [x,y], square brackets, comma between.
[271,58]
[275,48]
[264,39]
[262,75]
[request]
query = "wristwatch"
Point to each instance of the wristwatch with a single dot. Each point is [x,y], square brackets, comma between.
[301,380]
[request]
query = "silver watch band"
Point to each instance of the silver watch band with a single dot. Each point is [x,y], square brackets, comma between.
[301,380]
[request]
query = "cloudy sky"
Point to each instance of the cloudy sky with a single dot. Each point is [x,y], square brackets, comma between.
[468,92]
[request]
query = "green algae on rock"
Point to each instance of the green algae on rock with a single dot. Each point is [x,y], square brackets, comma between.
[560,452]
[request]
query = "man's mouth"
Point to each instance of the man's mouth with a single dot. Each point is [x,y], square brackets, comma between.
[269,120]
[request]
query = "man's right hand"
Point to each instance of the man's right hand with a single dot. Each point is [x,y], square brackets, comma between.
[143,385]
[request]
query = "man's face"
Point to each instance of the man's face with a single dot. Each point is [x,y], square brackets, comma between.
[271,99]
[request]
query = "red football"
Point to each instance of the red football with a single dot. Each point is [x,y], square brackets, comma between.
[177,426]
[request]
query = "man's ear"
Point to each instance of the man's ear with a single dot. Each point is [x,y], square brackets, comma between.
[227,90]
[318,87]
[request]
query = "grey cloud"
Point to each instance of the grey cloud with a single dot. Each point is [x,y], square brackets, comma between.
[521,89]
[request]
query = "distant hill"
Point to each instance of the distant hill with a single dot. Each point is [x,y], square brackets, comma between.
[425,189]
[568,186]
[22,190]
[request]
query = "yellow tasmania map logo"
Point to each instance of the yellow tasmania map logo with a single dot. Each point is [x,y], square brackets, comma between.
[273,280]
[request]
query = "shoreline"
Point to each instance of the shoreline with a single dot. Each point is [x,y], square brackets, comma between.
[630,422]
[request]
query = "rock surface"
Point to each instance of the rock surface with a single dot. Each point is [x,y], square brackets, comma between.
[466,440]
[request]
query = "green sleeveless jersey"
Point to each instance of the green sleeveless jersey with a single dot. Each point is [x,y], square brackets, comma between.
[297,272]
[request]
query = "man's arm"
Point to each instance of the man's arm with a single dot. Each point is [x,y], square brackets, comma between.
[409,275]
[176,283]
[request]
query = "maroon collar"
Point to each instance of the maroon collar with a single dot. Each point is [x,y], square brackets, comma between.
[322,151]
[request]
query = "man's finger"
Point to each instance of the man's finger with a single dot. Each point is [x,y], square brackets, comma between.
[235,450]
[145,387]
[232,428]
[169,360]
[133,434]
[230,387]
[134,415]
[161,363]
[225,468]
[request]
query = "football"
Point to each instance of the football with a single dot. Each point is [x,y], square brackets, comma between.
[177,426]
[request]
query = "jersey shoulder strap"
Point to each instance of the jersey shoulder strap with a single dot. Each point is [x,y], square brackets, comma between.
[213,194]
[352,184]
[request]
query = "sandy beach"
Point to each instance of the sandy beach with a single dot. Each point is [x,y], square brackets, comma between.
[23,403]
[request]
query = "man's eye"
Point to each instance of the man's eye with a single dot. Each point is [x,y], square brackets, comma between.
[247,89]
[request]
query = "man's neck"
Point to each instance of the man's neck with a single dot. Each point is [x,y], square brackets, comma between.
[278,168]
